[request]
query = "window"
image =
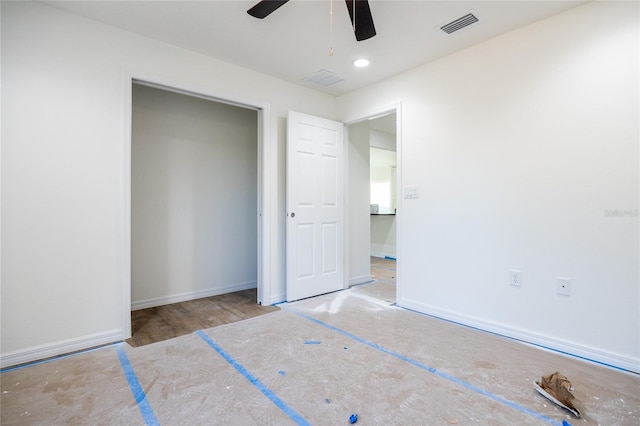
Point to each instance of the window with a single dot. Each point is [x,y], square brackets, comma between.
[382,178]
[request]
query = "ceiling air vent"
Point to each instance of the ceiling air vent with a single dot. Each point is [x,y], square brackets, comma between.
[459,23]
[323,78]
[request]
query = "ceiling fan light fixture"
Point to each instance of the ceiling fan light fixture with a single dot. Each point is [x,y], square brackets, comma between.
[361,63]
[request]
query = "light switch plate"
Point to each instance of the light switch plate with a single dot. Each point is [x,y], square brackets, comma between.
[411,192]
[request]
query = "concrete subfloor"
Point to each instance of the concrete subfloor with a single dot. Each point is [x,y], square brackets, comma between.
[318,360]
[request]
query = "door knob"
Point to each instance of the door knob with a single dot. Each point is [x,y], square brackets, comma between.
[293,214]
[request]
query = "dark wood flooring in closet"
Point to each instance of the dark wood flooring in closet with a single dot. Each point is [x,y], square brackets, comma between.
[165,322]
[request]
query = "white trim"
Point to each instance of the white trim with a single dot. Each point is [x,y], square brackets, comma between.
[267,183]
[587,353]
[40,352]
[190,89]
[346,142]
[376,112]
[124,219]
[399,199]
[264,205]
[192,295]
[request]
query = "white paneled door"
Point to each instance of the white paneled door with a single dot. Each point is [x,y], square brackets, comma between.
[315,206]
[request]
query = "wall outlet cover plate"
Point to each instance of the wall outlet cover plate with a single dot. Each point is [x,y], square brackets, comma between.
[563,286]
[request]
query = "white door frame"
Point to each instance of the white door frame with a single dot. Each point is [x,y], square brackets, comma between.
[367,115]
[267,183]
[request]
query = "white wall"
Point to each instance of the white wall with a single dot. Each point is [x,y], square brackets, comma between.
[194,197]
[383,236]
[522,148]
[358,227]
[65,89]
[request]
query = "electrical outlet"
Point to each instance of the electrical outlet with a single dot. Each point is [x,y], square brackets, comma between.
[516,278]
[563,286]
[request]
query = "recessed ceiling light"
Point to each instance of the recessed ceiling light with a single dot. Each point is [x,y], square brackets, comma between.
[361,63]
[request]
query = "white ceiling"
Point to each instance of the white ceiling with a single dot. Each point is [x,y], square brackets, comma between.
[293,42]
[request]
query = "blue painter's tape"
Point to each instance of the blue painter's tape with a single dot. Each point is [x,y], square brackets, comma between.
[430,369]
[312,342]
[390,257]
[254,380]
[136,389]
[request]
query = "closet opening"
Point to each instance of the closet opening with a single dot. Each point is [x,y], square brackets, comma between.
[195,212]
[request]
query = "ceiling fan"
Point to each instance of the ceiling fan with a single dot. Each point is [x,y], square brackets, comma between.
[359,12]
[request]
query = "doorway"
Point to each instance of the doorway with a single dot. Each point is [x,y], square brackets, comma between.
[195,204]
[374,209]
[383,197]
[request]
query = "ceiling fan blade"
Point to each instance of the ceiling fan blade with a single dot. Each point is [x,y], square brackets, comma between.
[265,8]
[364,27]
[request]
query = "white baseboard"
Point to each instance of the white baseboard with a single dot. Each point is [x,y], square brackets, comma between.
[39,352]
[555,344]
[360,280]
[183,297]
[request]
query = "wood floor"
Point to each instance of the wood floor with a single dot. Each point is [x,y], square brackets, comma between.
[165,322]
[383,270]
